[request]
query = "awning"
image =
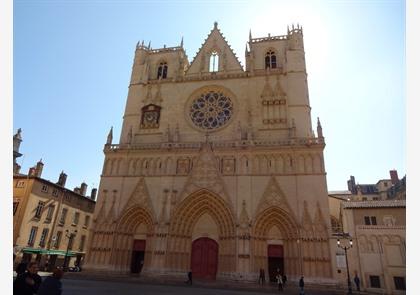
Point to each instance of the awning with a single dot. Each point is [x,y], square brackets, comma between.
[51,252]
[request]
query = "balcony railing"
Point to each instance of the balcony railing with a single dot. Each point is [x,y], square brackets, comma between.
[218,144]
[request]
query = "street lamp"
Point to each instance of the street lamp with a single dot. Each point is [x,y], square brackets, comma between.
[70,236]
[347,264]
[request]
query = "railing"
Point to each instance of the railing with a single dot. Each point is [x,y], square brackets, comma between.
[218,144]
[376,227]
[269,38]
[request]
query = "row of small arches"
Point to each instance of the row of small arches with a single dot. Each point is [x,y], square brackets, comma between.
[242,165]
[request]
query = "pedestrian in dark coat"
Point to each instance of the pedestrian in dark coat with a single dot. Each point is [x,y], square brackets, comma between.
[357,282]
[262,277]
[189,278]
[52,285]
[301,286]
[21,268]
[29,282]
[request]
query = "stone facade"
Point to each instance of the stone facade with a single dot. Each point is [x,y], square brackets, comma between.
[210,150]
[44,216]
[375,219]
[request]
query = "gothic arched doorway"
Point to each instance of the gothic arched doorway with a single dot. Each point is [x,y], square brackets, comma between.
[204,258]
[275,244]
[275,261]
[188,224]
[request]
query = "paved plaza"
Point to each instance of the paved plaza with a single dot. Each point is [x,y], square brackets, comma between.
[93,287]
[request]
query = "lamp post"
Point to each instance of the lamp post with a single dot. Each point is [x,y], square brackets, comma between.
[347,264]
[70,236]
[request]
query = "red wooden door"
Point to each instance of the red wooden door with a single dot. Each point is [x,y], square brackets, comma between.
[204,256]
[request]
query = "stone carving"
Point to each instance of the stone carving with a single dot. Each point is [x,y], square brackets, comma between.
[228,165]
[273,196]
[205,174]
[140,197]
[244,221]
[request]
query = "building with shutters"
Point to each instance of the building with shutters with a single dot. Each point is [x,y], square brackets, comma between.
[217,168]
[50,222]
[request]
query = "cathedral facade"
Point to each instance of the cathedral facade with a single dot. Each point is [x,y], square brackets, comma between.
[217,169]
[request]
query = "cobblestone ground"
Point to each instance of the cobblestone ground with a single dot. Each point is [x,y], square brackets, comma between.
[93,287]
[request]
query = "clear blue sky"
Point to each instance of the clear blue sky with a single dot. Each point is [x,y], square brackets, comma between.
[73,59]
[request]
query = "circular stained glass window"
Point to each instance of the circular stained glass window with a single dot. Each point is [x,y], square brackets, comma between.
[211,110]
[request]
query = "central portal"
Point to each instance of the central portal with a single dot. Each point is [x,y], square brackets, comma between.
[204,255]
[275,261]
[137,257]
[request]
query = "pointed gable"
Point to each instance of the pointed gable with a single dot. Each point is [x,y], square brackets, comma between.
[273,196]
[140,197]
[205,175]
[215,42]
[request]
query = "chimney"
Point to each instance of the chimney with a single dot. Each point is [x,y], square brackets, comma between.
[394,176]
[93,194]
[31,171]
[83,188]
[62,179]
[351,184]
[77,190]
[38,168]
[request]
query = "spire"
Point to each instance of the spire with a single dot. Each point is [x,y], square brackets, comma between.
[215,25]
[319,129]
[109,138]
[148,47]
[182,41]
[250,36]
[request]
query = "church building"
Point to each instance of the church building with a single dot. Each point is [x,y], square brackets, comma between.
[217,169]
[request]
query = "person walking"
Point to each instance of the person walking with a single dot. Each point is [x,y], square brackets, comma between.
[280,282]
[52,284]
[28,282]
[301,286]
[262,277]
[284,278]
[357,282]
[189,278]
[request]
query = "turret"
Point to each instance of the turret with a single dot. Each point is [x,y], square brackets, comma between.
[140,69]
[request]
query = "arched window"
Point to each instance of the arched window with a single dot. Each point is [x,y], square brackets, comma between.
[270,60]
[162,70]
[214,62]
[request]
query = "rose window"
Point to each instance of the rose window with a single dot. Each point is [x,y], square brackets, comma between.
[211,110]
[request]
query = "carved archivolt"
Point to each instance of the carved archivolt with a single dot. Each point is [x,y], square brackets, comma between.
[275,216]
[187,213]
[198,203]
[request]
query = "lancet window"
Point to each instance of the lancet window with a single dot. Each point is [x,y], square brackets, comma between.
[214,62]
[162,70]
[270,60]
